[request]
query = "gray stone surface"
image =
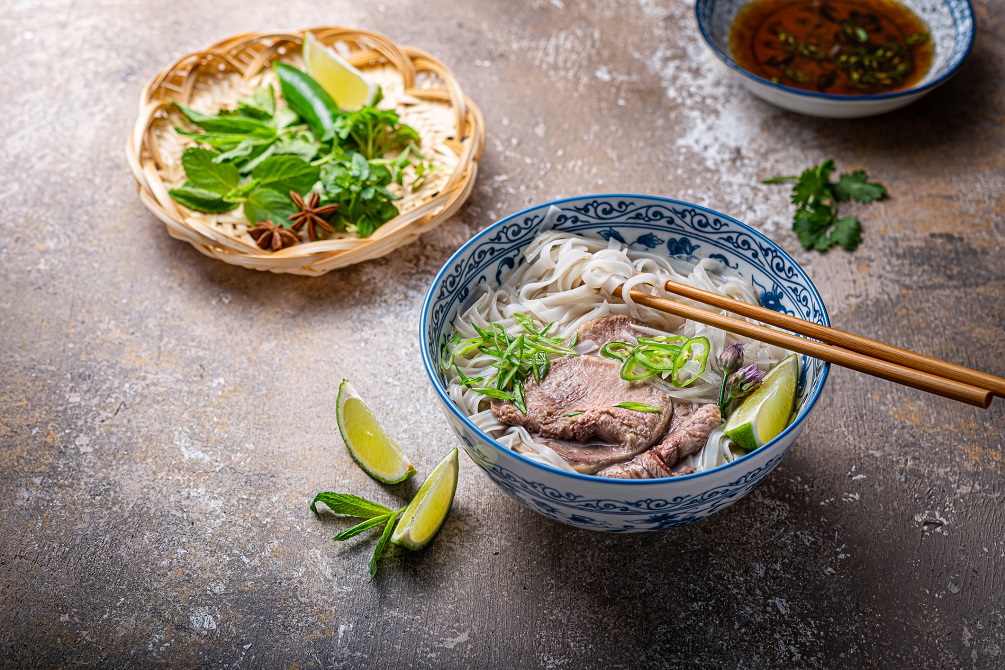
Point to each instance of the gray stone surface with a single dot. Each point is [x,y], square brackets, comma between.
[166,418]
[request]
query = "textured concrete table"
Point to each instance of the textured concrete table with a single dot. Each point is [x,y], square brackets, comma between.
[166,418]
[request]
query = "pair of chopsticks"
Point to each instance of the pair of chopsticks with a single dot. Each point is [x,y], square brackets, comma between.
[834,346]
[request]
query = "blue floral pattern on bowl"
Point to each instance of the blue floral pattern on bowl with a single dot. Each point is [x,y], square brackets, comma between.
[653,223]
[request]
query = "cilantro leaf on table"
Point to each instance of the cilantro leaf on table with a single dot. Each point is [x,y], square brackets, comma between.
[812,187]
[816,197]
[847,232]
[854,186]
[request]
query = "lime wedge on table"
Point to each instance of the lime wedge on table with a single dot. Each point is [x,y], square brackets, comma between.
[765,413]
[350,88]
[366,440]
[423,517]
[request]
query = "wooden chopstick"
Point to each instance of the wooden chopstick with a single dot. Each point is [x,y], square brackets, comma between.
[862,345]
[900,374]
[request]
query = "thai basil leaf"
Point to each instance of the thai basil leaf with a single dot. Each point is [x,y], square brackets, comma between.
[230,123]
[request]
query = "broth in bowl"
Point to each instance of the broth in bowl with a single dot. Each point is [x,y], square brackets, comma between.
[841,47]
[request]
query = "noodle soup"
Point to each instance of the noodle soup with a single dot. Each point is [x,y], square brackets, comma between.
[552,367]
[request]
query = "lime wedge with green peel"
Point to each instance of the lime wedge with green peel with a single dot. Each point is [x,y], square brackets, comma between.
[350,88]
[765,413]
[366,440]
[423,517]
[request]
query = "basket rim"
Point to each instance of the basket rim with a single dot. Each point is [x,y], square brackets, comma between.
[248,54]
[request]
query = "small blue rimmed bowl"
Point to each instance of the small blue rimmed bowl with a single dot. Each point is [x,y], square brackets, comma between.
[659,225]
[951,26]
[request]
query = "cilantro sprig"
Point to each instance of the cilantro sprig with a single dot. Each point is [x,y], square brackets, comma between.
[816,198]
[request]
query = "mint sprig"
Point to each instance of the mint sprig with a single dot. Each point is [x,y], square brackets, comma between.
[816,198]
[374,514]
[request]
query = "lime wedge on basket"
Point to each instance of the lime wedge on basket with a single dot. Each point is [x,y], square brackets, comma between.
[350,88]
[765,413]
[366,439]
[423,517]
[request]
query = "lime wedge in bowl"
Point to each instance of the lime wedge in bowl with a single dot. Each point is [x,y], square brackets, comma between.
[350,88]
[366,439]
[765,413]
[424,516]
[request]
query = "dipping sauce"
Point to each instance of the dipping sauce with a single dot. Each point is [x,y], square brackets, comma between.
[842,47]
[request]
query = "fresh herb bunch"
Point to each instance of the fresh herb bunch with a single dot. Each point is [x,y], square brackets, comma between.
[374,514]
[816,198]
[255,154]
[518,357]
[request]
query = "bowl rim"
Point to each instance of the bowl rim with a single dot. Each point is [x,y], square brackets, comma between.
[728,60]
[430,367]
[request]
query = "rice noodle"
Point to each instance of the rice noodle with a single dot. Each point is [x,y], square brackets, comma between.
[567,280]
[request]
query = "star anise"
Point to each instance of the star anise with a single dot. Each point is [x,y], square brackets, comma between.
[309,213]
[271,237]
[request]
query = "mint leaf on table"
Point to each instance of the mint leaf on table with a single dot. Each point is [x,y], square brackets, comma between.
[286,173]
[204,172]
[816,197]
[374,514]
[382,542]
[855,186]
[201,201]
[349,505]
[361,527]
[266,203]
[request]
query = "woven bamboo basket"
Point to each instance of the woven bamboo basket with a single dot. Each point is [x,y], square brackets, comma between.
[420,88]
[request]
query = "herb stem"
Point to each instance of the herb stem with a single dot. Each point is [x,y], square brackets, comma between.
[779,180]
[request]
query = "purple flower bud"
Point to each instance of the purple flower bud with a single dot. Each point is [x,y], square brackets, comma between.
[731,359]
[743,382]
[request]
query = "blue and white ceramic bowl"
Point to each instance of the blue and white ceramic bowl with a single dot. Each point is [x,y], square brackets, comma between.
[663,226]
[951,23]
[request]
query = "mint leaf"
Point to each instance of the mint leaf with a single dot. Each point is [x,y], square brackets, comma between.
[382,542]
[201,201]
[854,186]
[638,406]
[286,173]
[813,186]
[847,232]
[204,172]
[266,203]
[350,505]
[359,528]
